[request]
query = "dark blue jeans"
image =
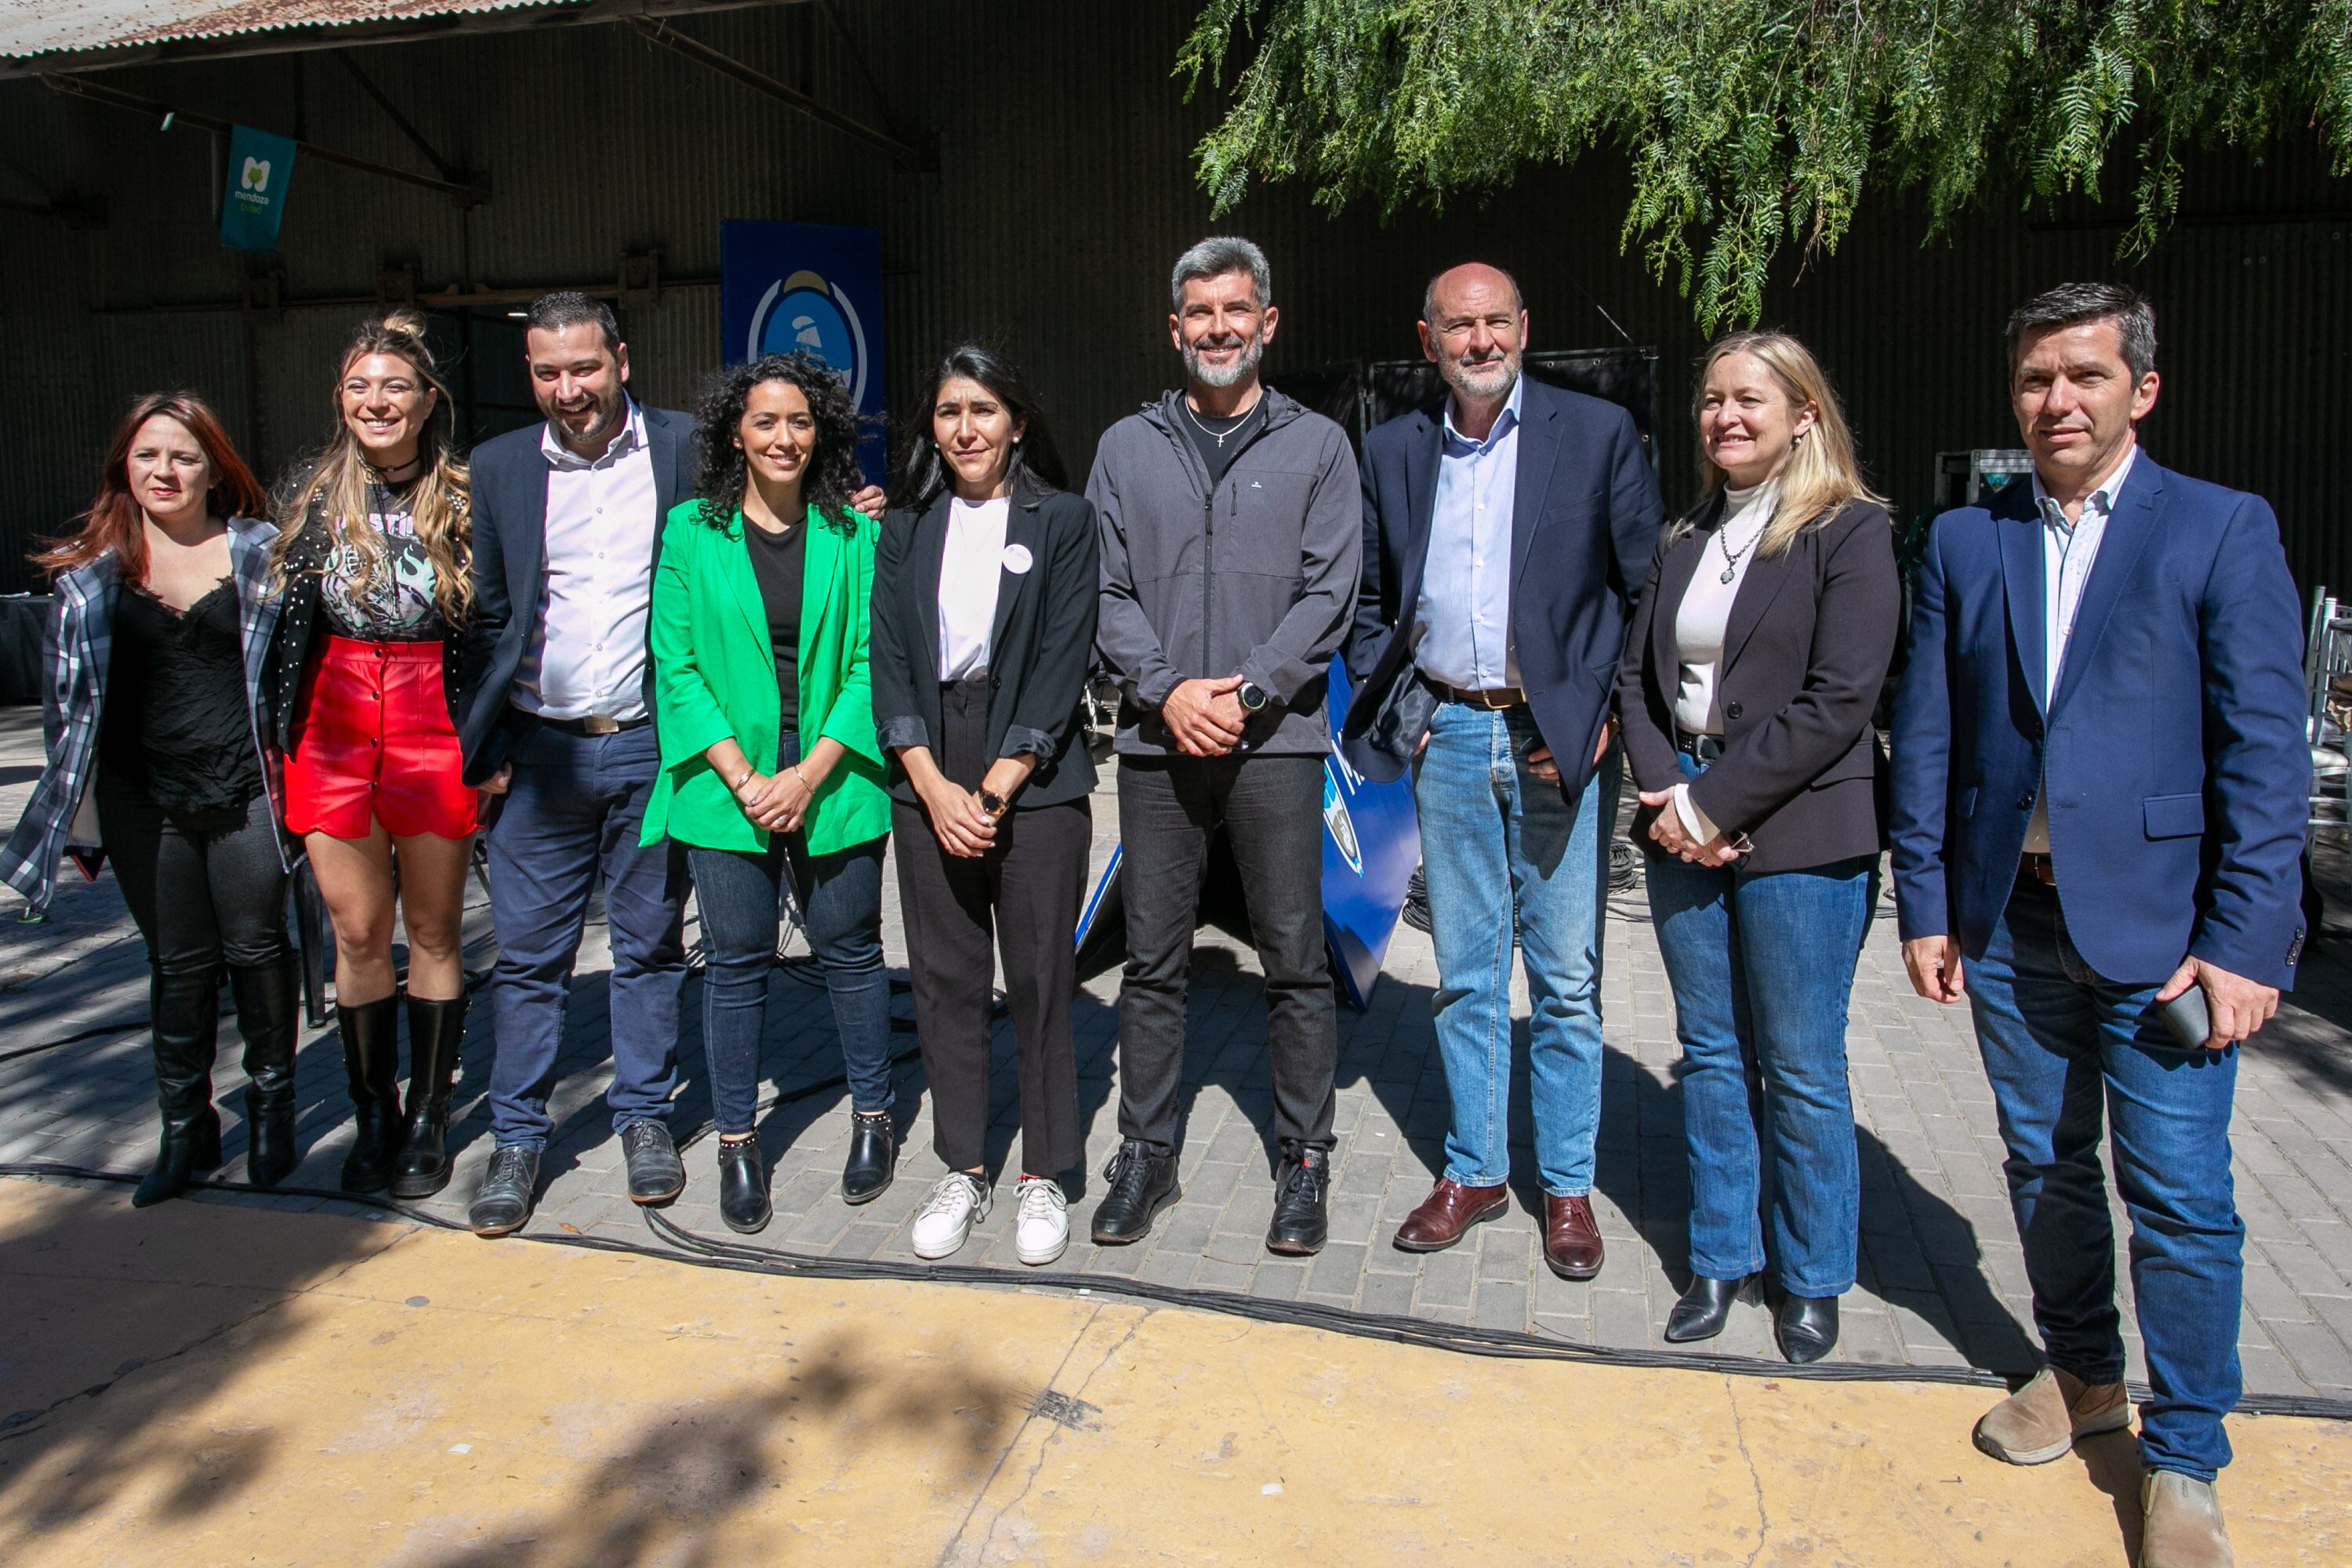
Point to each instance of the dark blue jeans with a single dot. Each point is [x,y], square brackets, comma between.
[742,896]
[1761,968]
[2061,1044]
[573,816]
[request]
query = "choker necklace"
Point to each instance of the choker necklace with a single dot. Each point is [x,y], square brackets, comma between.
[1232,429]
[392,476]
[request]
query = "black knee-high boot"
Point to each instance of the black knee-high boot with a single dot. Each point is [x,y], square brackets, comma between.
[185,1010]
[265,996]
[436,1030]
[371,1033]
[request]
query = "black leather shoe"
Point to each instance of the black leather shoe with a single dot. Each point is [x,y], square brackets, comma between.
[1706,1307]
[265,997]
[1142,1182]
[1806,1327]
[436,1030]
[184,1021]
[1302,1192]
[655,1172]
[873,1158]
[742,1186]
[509,1188]
[370,1036]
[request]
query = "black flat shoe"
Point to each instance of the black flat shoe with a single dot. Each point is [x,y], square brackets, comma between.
[1706,1307]
[655,1172]
[1806,1327]
[1302,1195]
[742,1186]
[873,1158]
[1142,1182]
[502,1202]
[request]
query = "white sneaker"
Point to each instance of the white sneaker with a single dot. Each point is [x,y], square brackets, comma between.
[1043,1230]
[948,1216]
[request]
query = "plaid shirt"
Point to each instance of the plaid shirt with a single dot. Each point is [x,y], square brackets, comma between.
[80,646]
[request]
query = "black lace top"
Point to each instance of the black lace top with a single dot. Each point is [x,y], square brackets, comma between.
[175,722]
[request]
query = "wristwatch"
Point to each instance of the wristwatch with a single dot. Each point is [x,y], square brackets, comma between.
[993,804]
[1254,696]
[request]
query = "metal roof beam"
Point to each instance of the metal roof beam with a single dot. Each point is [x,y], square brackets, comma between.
[449,171]
[911,159]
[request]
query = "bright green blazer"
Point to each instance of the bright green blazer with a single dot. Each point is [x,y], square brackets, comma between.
[715,678]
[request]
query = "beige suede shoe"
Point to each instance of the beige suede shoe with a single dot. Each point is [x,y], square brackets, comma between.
[2042,1420]
[2182,1526]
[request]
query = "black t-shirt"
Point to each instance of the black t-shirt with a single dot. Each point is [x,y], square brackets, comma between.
[1220,455]
[780,562]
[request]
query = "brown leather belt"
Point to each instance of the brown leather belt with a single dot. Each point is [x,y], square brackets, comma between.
[1495,698]
[2038,868]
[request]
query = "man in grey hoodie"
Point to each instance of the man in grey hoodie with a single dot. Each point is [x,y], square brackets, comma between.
[1231,531]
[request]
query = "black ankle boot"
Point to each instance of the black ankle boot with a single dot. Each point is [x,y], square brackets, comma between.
[185,1010]
[873,1158]
[371,1062]
[265,999]
[1806,1327]
[436,1030]
[1706,1306]
[742,1186]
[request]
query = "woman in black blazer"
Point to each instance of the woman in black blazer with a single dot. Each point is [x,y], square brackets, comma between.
[1750,676]
[984,596]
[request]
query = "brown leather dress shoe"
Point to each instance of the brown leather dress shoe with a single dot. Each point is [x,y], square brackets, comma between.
[1446,1214]
[1572,1241]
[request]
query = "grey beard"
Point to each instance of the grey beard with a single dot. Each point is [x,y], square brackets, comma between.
[1481,380]
[1244,366]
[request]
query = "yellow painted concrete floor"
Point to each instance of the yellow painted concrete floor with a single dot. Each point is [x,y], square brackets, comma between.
[208,1383]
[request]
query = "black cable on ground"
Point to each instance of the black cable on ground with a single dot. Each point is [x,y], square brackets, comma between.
[687,1246]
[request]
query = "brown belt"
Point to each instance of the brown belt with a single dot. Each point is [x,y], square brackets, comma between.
[2038,868]
[1495,698]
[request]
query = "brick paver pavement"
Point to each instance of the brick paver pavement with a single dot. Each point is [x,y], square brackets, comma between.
[1942,1278]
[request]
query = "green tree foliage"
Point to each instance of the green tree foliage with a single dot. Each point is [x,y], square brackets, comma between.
[1752,125]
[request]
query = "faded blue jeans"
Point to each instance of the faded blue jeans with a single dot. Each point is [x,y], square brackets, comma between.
[2061,1044]
[1494,835]
[1761,968]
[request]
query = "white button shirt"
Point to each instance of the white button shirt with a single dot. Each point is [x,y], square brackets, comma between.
[2068,553]
[603,518]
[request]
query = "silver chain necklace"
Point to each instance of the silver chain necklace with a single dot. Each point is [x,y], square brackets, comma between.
[1731,560]
[1232,429]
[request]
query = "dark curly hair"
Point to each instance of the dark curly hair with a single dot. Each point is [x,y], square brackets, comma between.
[720,466]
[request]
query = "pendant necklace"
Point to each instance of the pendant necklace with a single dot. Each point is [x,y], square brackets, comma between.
[1232,429]
[1731,560]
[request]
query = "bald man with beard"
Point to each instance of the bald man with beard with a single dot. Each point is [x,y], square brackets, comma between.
[1508,528]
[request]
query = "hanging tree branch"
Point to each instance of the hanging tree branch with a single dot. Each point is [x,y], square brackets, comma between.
[1749,125]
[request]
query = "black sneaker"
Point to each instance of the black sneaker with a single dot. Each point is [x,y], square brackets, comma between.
[1142,1182]
[503,1201]
[1302,1192]
[655,1172]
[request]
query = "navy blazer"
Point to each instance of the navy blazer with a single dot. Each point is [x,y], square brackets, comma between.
[1585,519]
[2177,766]
[510,501]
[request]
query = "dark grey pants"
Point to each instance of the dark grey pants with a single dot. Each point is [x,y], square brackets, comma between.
[1271,810]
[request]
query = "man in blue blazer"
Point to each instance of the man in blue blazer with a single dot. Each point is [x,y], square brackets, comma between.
[2099,783]
[1506,531]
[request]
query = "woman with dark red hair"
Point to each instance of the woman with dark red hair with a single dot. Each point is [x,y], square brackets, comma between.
[153,716]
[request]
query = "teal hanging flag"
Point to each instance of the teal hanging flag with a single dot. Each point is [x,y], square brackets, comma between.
[259,167]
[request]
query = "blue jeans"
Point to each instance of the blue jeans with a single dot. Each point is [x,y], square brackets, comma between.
[2061,1043]
[1761,967]
[572,813]
[1491,835]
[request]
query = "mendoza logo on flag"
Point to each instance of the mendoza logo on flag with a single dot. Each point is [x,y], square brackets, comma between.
[259,166]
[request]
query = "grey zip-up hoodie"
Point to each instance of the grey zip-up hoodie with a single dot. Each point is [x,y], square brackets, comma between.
[1256,578]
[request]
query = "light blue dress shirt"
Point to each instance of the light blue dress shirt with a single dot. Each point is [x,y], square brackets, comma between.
[2069,551]
[1462,624]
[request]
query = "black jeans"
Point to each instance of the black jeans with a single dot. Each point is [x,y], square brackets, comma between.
[740,895]
[1271,810]
[201,900]
[1024,893]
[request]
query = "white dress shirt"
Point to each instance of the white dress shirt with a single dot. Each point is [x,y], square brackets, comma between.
[588,654]
[970,569]
[1700,620]
[2068,553]
[1462,622]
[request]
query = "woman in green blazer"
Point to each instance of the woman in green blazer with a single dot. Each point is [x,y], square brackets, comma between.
[768,748]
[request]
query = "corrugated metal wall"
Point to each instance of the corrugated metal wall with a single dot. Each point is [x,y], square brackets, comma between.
[1065,193]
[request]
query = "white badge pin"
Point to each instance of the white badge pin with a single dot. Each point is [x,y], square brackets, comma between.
[1018,560]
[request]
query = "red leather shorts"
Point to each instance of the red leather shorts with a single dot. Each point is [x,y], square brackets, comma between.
[375,743]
